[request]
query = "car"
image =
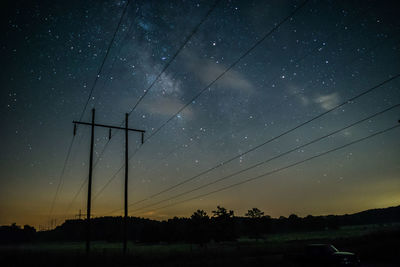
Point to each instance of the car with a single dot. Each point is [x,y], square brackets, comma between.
[328,255]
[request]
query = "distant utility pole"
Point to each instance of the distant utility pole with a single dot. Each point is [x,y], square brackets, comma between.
[126,129]
[79,215]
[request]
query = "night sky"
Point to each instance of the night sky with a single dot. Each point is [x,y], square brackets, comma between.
[326,53]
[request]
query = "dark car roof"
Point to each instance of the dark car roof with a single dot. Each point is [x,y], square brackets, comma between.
[342,253]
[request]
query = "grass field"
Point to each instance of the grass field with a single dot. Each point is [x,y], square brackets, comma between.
[343,232]
[376,244]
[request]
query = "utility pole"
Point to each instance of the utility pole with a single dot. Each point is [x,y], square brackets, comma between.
[79,215]
[126,186]
[126,129]
[89,198]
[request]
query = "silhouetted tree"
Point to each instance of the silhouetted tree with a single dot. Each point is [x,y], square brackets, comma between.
[223,224]
[200,227]
[151,232]
[294,222]
[254,222]
[199,215]
[254,213]
[16,234]
[29,233]
[176,230]
[222,212]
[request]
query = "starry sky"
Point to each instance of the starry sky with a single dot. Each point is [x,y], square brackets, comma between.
[324,54]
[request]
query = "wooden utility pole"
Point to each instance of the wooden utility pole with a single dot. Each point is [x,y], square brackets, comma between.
[89,199]
[126,186]
[79,215]
[126,129]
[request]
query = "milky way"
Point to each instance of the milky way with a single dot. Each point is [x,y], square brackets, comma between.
[325,53]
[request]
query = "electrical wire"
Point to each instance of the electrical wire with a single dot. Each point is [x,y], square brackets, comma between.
[272,158]
[83,112]
[276,105]
[176,54]
[214,81]
[182,46]
[104,59]
[247,52]
[278,169]
[60,179]
[350,100]
[108,141]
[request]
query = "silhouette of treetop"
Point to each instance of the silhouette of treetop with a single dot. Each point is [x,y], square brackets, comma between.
[199,215]
[222,213]
[254,213]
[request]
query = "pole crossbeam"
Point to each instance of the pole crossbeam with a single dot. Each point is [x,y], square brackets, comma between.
[109,126]
[89,199]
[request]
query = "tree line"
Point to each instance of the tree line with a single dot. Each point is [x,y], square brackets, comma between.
[200,227]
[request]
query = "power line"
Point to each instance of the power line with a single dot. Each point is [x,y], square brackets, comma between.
[117,54]
[269,140]
[187,39]
[293,95]
[176,54]
[104,59]
[297,61]
[114,175]
[84,109]
[108,141]
[229,68]
[111,69]
[272,158]
[193,137]
[108,182]
[61,177]
[89,198]
[346,64]
[85,179]
[281,169]
[216,79]
[84,182]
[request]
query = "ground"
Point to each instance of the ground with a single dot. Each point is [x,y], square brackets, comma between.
[376,245]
